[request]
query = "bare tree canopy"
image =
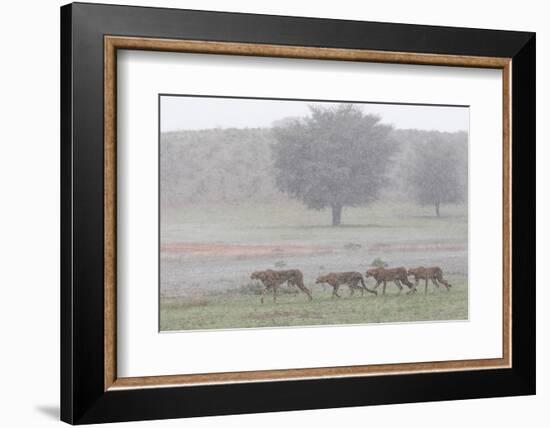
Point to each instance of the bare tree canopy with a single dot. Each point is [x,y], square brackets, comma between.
[335,157]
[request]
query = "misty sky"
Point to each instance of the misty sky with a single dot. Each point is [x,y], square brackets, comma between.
[183,113]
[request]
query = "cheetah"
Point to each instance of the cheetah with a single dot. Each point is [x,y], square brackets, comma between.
[435,274]
[272,279]
[351,279]
[398,275]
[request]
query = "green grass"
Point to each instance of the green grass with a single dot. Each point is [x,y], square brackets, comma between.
[292,221]
[213,290]
[241,308]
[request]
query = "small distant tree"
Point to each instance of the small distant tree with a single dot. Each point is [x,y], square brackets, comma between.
[435,176]
[378,262]
[335,157]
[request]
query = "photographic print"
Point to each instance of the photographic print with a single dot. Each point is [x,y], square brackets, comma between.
[287,212]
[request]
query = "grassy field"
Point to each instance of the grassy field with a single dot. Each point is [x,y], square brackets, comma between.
[208,253]
[244,310]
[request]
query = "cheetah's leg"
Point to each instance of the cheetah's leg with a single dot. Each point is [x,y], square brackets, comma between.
[368,289]
[266,288]
[445,283]
[412,288]
[396,282]
[291,285]
[378,282]
[353,285]
[301,286]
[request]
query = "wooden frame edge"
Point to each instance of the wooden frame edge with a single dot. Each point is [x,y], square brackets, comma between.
[112,43]
[301,52]
[507,212]
[109,198]
[299,374]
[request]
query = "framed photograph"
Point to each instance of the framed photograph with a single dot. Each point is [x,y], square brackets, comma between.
[265,213]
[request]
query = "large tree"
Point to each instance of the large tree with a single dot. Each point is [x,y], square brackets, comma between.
[438,171]
[335,157]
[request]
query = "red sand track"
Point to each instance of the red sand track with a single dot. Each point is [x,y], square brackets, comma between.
[233,250]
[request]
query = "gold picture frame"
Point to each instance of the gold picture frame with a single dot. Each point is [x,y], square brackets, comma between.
[114,43]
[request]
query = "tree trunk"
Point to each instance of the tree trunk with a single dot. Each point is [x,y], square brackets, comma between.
[437,208]
[336,214]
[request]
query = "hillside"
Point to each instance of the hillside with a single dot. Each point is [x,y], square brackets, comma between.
[235,165]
